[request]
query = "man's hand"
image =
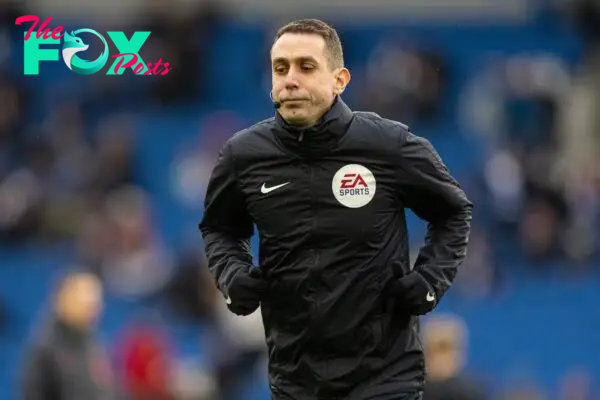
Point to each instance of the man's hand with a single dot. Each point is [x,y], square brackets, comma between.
[245,291]
[414,293]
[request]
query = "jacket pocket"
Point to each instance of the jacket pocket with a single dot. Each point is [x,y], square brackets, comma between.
[377,330]
[382,326]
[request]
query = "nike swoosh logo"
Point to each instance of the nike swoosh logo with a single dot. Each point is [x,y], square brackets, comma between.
[430,297]
[264,189]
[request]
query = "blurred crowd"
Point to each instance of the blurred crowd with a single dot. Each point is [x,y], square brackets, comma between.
[536,183]
[74,180]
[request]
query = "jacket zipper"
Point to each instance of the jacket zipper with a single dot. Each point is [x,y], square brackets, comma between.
[314,252]
[316,256]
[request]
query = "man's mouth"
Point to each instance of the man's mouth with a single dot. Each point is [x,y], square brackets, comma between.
[293,100]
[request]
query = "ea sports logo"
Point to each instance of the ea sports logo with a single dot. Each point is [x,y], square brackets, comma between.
[353,186]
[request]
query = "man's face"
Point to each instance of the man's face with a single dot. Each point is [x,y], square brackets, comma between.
[303,81]
[89,294]
[81,299]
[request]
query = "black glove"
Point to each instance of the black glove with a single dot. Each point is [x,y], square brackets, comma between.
[245,291]
[414,294]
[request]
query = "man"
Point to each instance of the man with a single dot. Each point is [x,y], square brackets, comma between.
[445,343]
[64,362]
[327,189]
[146,363]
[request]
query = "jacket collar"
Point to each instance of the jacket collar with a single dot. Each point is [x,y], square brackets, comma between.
[319,138]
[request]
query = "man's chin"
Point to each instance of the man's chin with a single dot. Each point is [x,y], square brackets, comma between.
[295,118]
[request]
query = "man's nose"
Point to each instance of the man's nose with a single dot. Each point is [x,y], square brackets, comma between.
[291,81]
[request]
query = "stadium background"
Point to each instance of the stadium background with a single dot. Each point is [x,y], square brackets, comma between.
[108,172]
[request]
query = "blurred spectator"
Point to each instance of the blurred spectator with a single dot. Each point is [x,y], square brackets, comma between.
[57,175]
[147,359]
[533,85]
[445,344]
[64,360]
[193,381]
[580,140]
[22,195]
[515,100]
[576,385]
[115,153]
[96,240]
[505,182]
[405,84]
[584,15]
[538,187]
[583,199]
[19,189]
[139,265]
[479,277]
[524,393]
[70,173]
[191,290]
[181,36]
[10,10]
[238,348]
[15,99]
[540,230]
[192,168]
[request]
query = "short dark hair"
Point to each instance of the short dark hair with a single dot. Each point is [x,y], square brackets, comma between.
[333,44]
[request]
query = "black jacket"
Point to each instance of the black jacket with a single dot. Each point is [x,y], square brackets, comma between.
[329,205]
[63,363]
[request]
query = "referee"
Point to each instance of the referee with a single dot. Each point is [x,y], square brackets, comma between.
[327,189]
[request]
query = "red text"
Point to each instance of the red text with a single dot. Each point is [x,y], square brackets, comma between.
[140,67]
[351,181]
[42,30]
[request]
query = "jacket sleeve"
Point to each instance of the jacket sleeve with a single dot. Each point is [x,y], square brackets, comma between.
[428,189]
[226,226]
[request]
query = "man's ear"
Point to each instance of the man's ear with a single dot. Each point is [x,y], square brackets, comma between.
[342,79]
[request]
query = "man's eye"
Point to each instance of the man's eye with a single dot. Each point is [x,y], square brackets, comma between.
[279,69]
[307,67]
